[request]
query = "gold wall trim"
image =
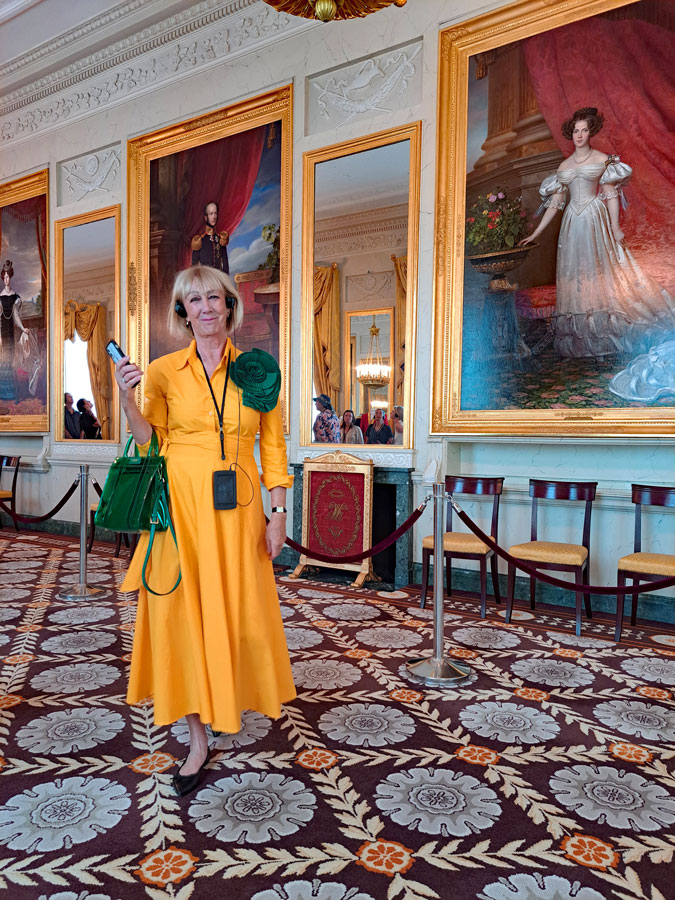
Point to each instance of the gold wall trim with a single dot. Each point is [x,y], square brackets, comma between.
[60,225]
[413,133]
[276,105]
[456,45]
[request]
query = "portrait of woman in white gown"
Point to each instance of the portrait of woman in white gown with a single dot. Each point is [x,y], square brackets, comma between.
[605,303]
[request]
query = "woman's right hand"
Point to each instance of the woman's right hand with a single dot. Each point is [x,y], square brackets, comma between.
[127,375]
[527,240]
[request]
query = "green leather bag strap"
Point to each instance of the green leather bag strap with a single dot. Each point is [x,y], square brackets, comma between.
[154,521]
[152,451]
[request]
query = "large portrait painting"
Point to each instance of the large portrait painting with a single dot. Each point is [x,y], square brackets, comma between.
[555,283]
[24,368]
[215,190]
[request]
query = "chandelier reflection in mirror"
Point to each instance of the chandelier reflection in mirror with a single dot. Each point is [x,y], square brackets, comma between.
[372,372]
[326,10]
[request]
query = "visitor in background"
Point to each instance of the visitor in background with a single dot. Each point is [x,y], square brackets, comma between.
[326,426]
[90,425]
[72,429]
[349,430]
[378,432]
[397,424]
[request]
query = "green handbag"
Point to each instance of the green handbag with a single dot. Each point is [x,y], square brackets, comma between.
[135,498]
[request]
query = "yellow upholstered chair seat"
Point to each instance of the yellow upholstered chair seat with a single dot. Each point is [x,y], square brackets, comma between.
[93,507]
[458,542]
[650,563]
[5,495]
[550,551]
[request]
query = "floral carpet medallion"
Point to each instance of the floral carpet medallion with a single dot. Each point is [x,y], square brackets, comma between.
[548,775]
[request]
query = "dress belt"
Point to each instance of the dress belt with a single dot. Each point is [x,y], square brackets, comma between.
[210,441]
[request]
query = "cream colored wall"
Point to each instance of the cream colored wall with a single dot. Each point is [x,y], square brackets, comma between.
[249,52]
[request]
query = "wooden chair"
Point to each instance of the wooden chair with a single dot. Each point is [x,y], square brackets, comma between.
[9,462]
[557,556]
[641,566]
[460,545]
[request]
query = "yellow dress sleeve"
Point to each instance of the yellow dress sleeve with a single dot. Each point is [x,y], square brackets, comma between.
[273,458]
[155,408]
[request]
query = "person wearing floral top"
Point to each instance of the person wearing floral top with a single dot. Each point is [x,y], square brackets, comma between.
[326,425]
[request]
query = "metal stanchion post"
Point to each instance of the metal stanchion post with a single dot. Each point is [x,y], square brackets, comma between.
[82,590]
[437,670]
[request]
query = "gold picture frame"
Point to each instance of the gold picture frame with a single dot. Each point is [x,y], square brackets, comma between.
[329,504]
[148,284]
[350,355]
[24,358]
[476,43]
[61,301]
[411,132]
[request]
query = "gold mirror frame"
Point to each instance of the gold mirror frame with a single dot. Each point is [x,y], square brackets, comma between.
[274,106]
[60,226]
[456,45]
[412,133]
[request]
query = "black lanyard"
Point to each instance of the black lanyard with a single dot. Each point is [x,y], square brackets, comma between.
[219,412]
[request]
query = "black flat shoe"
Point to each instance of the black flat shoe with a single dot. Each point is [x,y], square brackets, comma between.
[186,784]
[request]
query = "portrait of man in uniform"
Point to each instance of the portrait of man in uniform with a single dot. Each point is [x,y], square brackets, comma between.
[209,246]
[218,204]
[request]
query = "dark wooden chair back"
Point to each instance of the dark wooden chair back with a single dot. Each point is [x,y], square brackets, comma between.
[648,495]
[10,462]
[465,484]
[541,489]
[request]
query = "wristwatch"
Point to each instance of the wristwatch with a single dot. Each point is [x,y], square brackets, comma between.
[279,509]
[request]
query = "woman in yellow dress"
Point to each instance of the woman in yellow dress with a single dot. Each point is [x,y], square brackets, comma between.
[215,645]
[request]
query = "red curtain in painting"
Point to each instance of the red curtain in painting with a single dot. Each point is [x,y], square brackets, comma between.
[224,171]
[625,69]
[32,210]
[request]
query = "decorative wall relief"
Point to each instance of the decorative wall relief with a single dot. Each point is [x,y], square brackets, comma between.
[370,286]
[92,174]
[381,84]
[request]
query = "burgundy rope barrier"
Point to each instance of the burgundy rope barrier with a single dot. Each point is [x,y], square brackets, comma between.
[315,555]
[52,512]
[576,586]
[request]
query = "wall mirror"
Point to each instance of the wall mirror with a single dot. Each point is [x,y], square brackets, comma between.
[358,338]
[360,242]
[86,313]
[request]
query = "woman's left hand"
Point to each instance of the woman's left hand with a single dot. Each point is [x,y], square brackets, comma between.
[618,234]
[275,534]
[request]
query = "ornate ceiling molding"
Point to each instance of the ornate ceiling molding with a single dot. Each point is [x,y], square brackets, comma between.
[48,48]
[190,41]
[373,229]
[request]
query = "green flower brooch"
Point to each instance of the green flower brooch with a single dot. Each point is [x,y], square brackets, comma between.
[259,377]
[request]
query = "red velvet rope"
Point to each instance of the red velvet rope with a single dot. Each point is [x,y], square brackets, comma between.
[52,512]
[576,586]
[314,555]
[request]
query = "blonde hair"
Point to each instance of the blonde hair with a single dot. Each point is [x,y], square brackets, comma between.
[207,279]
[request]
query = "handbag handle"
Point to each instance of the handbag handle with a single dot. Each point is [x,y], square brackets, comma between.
[154,520]
[152,451]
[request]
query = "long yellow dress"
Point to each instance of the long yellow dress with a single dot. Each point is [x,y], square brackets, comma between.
[216,645]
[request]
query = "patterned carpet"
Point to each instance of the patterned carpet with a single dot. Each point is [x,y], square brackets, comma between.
[549,777]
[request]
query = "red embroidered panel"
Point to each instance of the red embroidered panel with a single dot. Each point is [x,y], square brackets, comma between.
[336,512]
